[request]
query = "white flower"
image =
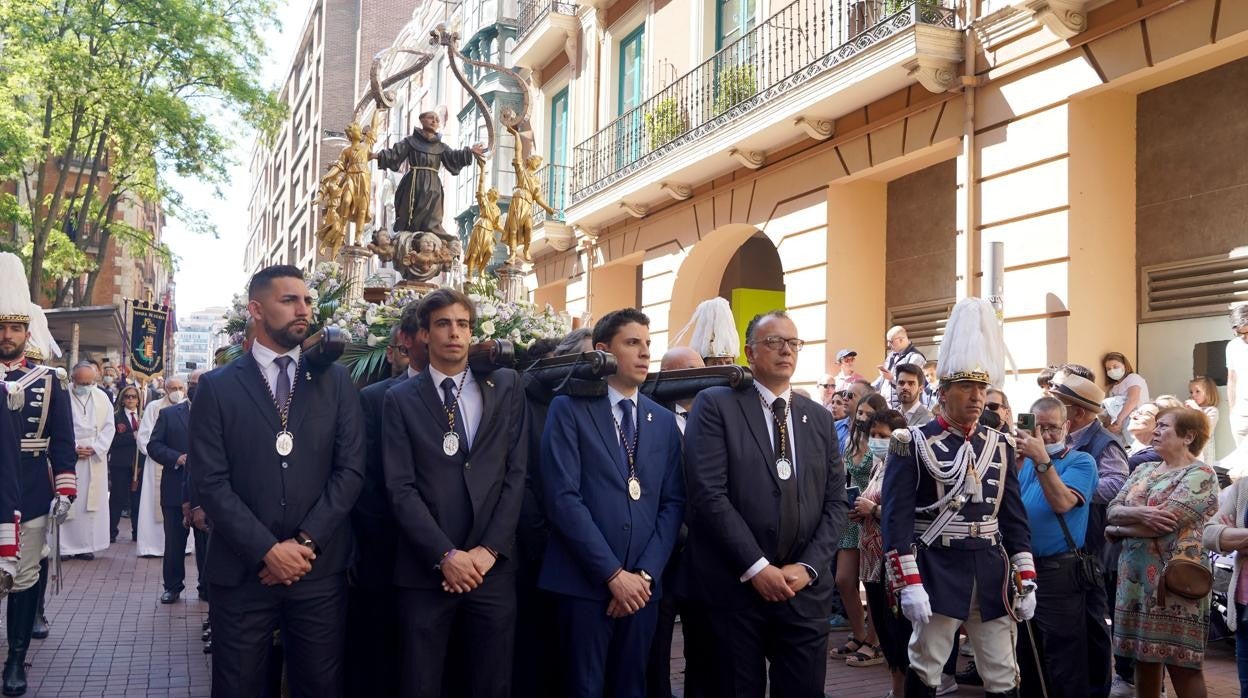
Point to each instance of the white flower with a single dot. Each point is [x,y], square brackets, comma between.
[370,314]
[487,328]
[316,295]
[374,340]
[487,310]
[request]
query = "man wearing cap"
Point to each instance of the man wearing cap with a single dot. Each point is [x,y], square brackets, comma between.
[900,351]
[845,374]
[953,517]
[40,412]
[1237,373]
[1082,398]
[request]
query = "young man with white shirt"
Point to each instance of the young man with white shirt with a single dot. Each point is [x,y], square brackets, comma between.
[909,390]
[454,451]
[767,509]
[276,460]
[614,498]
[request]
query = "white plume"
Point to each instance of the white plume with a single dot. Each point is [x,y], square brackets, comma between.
[973,341]
[712,329]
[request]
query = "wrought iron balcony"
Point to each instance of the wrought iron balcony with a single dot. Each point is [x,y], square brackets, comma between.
[532,12]
[554,180]
[801,42]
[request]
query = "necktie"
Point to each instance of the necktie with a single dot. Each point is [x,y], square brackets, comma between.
[628,431]
[452,407]
[788,488]
[134,424]
[281,388]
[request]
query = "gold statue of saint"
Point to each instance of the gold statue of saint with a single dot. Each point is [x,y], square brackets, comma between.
[345,193]
[518,230]
[482,240]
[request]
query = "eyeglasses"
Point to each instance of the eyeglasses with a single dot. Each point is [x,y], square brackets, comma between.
[1054,429]
[823,386]
[993,406]
[774,342]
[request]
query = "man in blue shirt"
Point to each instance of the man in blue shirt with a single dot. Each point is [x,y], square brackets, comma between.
[1056,480]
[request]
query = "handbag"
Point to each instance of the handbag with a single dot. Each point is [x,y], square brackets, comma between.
[1087,567]
[1186,578]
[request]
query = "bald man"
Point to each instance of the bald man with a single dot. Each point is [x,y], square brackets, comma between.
[675,359]
[900,351]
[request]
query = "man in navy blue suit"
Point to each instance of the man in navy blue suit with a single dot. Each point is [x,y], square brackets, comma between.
[277,460]
[170,442]
[612,488]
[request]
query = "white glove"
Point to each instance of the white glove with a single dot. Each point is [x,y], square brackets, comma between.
[8,570]
[915,605]
[1025,603]
[60,508]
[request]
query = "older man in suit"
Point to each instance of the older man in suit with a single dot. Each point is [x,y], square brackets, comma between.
[169,445]
[767,508]
[454,452]
[611,486]
[277,455]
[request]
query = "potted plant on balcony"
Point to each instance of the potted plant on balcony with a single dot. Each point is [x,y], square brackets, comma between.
[734,85]
[664,122]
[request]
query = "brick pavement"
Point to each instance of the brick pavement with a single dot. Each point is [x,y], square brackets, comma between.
[112,637]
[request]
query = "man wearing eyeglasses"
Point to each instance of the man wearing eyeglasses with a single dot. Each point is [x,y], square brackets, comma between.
[767,507]
[1237,373]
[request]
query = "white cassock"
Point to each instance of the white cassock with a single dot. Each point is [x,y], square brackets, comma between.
[151,522]
[86,528]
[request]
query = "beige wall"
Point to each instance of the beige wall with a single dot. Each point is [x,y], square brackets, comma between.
[857,230]
[922,208]
[1192,177]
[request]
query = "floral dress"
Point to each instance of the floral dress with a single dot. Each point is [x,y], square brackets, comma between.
[859,476]
[871,538]
[1144,630]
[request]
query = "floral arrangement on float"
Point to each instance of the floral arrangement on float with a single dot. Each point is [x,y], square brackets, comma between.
[369,324]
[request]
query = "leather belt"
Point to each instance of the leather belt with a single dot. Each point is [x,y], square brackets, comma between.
[955,530]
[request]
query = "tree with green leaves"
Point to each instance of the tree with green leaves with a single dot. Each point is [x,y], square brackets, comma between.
[100,100]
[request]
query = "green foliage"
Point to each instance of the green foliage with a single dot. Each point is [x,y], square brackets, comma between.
[129,90]
[664,122]
[892,7]
[62,262]
[734,85]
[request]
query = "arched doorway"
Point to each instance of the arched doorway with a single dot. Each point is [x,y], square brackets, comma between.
[753,282]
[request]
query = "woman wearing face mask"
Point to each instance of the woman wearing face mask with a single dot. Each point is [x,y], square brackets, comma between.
[1125,390]
[861,648]
[893,630]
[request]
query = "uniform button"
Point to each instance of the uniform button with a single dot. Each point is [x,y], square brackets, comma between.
[285,465]
[467,465]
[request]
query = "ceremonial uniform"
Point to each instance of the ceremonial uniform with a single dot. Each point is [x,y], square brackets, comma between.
[955,529]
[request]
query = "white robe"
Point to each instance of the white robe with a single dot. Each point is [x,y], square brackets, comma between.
[86,528]
[151,524]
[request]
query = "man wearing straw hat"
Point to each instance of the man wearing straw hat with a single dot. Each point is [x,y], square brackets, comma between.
[39,407]
[954,524]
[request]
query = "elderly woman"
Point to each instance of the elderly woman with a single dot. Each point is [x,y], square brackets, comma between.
[1159,515]
[1226,533]
[1140,427]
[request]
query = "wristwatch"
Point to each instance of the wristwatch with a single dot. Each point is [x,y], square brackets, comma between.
[647,578]
[1043,467]
[302,539]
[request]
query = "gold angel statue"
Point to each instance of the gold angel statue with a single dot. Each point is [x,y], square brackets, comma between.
[518,230]
[345,193]
[482,240]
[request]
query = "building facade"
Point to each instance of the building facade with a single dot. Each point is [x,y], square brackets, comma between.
[198,337]
[852,161]
[331,62]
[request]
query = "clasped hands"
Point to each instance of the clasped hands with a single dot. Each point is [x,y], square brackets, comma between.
[780,583]
[463,571]
[286,563]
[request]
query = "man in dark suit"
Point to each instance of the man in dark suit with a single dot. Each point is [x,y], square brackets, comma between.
[277,456]
[454,454]
[170,442]
[125,468]
[767,508]
[611,486]
[372,624]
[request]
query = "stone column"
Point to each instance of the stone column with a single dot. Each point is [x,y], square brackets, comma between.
[355,268]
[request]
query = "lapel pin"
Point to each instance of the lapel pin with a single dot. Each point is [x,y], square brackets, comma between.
[803,419]
[649,416]
[489,383]
[307,376]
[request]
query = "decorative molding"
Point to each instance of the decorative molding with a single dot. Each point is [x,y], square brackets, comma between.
[571,41]
[586,233]
[635,210]
[1065,18]
[561,236]
[936,75]
[818,129]
[938,53]
[752,159]
[679,192]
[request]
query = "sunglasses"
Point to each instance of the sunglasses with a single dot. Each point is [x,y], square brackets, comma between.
[994,406]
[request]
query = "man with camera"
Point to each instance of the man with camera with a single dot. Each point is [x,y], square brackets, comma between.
[1057,483]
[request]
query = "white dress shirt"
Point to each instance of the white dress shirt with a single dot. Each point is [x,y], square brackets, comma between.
[769,419]
[470,406]
[266,359]
[616,411]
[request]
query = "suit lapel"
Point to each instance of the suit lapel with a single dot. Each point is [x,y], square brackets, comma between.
[604,421]
[751,411]
[486,386]
[804,446]
[250,378]
[430,399]
[302,398]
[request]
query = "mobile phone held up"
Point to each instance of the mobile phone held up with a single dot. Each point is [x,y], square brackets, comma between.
[851,494]
[1026,422]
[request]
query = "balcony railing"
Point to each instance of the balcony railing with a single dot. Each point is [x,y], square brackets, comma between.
[531,12]
[554,180]
[800,42]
